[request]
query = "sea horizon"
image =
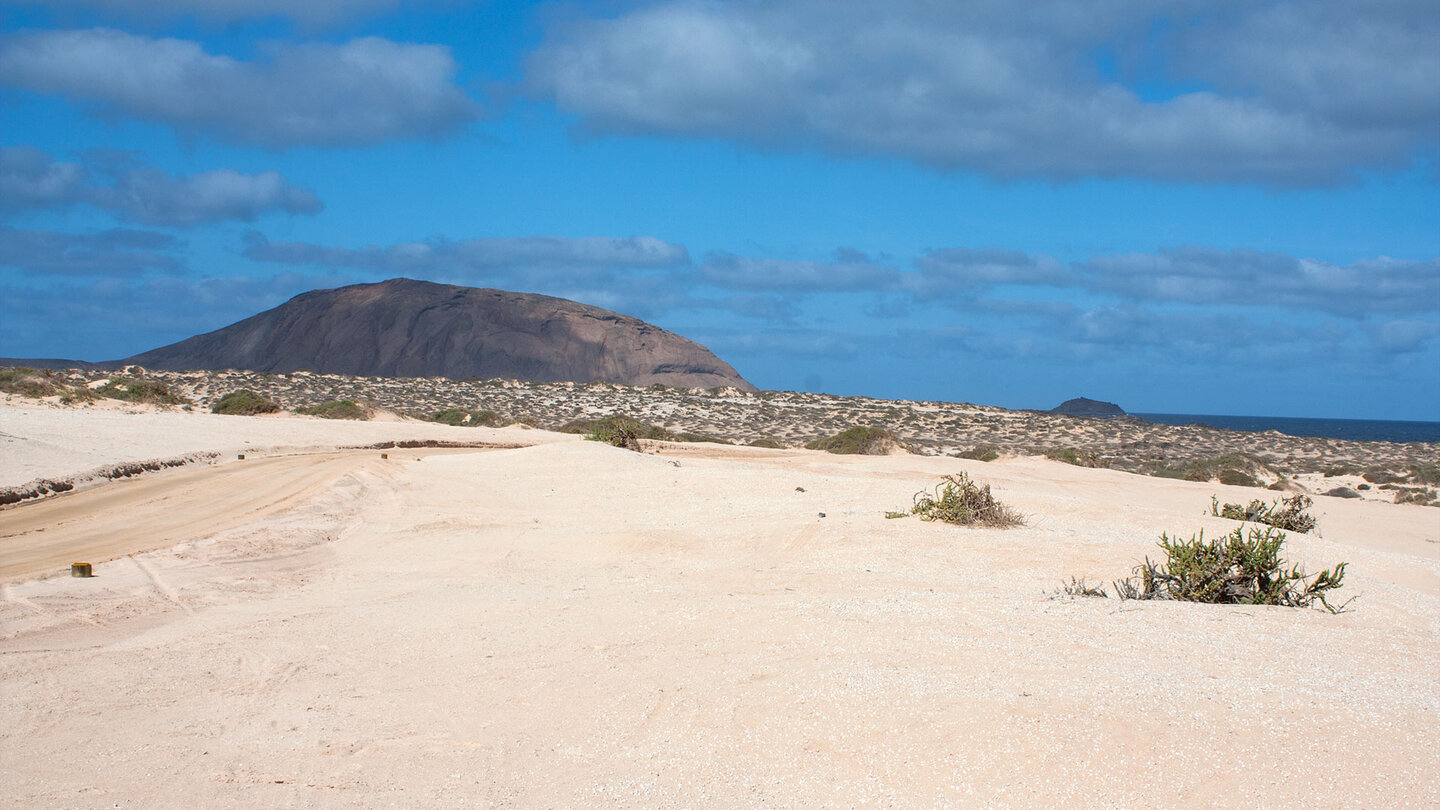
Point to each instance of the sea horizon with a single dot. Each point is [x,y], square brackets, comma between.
[1363,430]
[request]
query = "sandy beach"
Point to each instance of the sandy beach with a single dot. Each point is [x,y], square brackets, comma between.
[542,621]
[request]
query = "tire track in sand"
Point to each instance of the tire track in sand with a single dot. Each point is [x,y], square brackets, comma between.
[144,514]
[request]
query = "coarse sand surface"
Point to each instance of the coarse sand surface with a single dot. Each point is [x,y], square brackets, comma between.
[568,624]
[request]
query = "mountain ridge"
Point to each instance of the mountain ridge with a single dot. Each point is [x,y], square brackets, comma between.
[411,328]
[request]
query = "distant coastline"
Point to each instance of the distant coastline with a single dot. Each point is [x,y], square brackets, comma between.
[1360,430]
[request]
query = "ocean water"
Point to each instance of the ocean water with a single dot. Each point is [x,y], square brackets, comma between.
[1361,430]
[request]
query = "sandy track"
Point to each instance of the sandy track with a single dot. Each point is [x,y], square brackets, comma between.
[130,517]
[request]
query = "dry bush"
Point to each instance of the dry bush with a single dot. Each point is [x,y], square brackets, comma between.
[1078,587]
[958,500]
[1288,513]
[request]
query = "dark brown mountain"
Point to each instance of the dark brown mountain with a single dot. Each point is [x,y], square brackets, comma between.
[407,328]
[1080,406]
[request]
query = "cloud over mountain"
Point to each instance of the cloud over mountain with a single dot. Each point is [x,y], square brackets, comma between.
[501,256]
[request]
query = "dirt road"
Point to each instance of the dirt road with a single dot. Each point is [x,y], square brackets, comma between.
[143,514]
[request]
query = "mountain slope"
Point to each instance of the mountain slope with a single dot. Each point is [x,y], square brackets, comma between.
[408,328]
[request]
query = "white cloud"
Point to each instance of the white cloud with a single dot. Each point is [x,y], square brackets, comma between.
[948,270]
[553,257]
[1203,275]
[311,12]
[1191,274]
[153,197]
[361,92]
[849,270]
[117,252]
[30,179]
[1016,90]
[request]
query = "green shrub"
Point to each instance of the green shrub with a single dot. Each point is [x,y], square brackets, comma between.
[1080,458]
[1237,569]
[460,416]
[698,437]
[958,500]
[866,441]
[1237,478]
[1287,513]
[151,392]
[79,393]
[620,431]
[243,403]
[29,382]
[1425,474]
[983,452]
[336,409]
[768,443]
[1375,475]
[1234,469]
[609,425]
[452,416]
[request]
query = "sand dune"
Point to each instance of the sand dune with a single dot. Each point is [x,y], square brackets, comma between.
[572,625]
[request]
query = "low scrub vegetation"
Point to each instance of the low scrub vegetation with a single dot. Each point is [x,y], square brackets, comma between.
[337,409]
[151,392]
[772,444]
[243,403]
[961,501]
[37,383]
[1080,458]
[1079,587]
[616,430]
[1288,513]
[29,382]
[1425,474]
[983,452]
[1231,469]
[698,437]
[1240,568]
[619,431]
[461,417]
[1420,495]
[865,441]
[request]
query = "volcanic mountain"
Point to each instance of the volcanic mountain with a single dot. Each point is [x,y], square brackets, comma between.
[408,328]
[1082,406]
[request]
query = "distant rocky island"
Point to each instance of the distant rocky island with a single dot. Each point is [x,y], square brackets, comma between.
[408,328]
[1081,406]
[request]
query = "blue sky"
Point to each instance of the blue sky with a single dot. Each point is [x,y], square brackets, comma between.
[1179,206]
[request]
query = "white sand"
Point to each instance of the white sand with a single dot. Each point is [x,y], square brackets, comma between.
[572,625]
[40,442]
